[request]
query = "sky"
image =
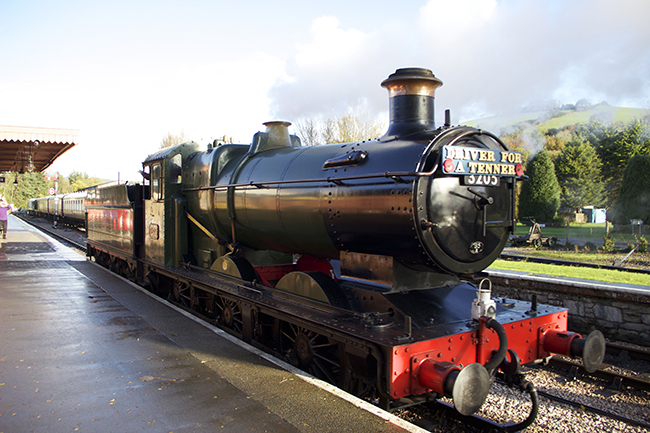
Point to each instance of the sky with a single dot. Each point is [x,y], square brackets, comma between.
[128,72]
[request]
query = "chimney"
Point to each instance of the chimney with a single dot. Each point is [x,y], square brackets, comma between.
[411,93]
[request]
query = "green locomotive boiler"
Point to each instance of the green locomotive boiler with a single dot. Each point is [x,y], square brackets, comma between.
[349,260]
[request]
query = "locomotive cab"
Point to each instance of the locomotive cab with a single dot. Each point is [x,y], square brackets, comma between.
[165,223]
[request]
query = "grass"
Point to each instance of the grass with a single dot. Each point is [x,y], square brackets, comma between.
[602,113]
[581,232]
[539,120]
[579,235]
[573,272]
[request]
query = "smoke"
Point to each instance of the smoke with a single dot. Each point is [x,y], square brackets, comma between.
[493,57]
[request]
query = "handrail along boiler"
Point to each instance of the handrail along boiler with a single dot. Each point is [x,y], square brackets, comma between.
[345,259]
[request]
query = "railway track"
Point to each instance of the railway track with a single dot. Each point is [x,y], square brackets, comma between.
[440,416]
[516,257]
[63,235]
[617,381]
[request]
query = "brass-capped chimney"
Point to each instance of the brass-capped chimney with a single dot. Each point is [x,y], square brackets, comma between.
[411,93]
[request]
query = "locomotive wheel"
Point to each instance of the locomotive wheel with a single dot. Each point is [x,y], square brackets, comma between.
[182,293]
[314,285]
[234,266]
[229,315]
[312,352]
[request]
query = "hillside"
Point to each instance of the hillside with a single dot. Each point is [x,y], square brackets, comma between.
[544,120]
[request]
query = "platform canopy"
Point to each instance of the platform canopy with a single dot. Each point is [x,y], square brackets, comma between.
[29,149]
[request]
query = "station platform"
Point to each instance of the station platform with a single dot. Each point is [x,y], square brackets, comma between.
[81,349]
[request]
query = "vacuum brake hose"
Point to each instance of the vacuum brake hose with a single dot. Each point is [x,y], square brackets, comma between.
[498,357]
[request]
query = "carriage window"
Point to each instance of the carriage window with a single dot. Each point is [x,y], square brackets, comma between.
[156,182]
[175,169]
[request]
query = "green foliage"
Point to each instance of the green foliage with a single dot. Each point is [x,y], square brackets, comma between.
[540,194]
[29,185]
[78,180]
[590,246]
[33,185]
[633,202]
[643,245]
[578,172]
[616,146]
[609,244]
[615,133]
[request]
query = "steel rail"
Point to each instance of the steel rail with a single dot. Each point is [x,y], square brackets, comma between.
[595,410]
[52,233]
[615,379]
[515,257]
[615,349]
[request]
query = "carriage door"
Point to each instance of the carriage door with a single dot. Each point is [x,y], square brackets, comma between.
[154,209]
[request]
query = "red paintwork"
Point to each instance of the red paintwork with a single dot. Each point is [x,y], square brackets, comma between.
[273,273]
[559,342]
[525,337]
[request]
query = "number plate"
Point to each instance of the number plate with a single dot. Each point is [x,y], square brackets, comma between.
[480,180]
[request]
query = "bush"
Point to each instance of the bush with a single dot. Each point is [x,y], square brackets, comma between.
[590,246]
[609,245]
[643,245]
[540,194]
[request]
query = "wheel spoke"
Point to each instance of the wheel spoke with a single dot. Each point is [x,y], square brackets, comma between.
[320,346]
[326,359]
[325,372]
[293,339]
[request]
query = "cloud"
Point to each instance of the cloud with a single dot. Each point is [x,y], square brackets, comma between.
[494,57]
[131,113]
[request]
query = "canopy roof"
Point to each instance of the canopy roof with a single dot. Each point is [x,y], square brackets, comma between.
[24,149]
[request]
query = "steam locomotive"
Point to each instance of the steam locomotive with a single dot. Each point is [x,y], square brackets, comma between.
[360,263]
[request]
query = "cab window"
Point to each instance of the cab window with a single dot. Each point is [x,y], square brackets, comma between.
[156,182]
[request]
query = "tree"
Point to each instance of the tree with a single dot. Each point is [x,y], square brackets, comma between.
[76,176]
[172,140]
[615,148]
[633,202]
[29,185]
[356,125]
[62,184]
[578,173]
[540,194]
[309,131]
[80,180]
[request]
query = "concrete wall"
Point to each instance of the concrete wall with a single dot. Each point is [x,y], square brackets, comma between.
[621,312]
